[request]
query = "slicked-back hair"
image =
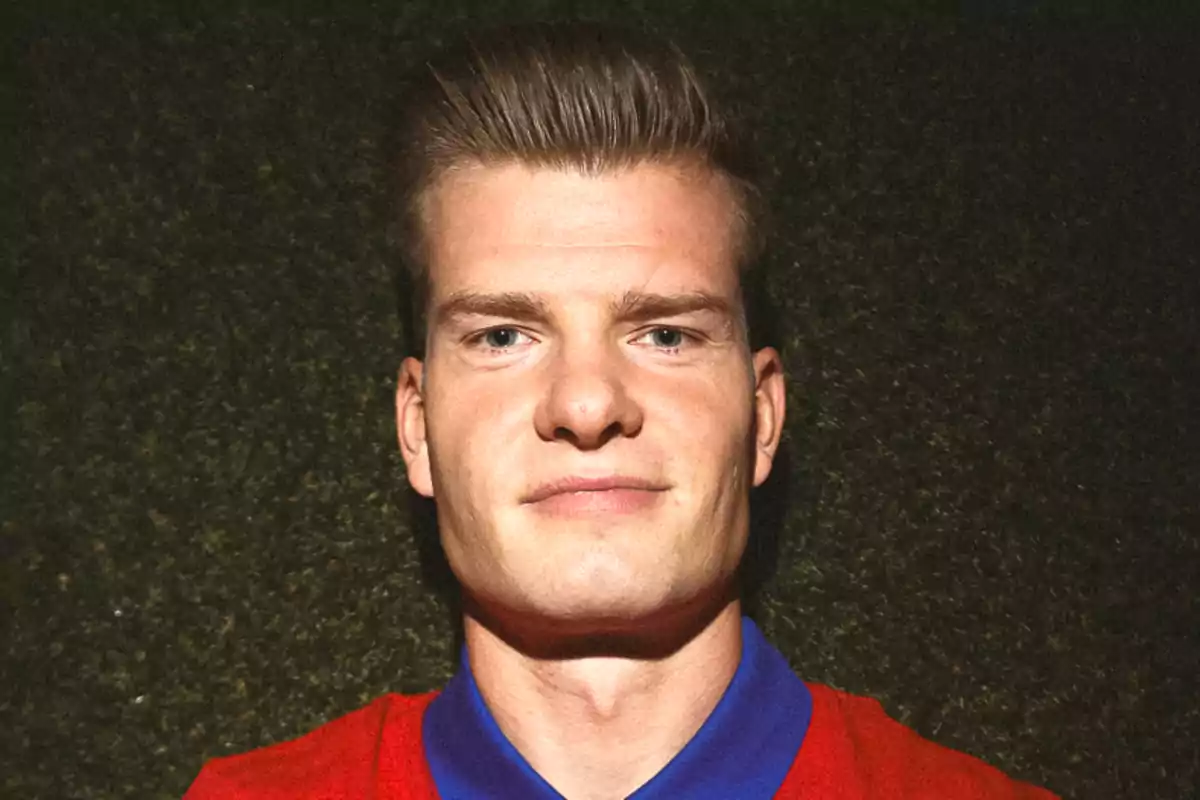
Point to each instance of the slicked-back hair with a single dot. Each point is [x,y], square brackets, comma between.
[569,96]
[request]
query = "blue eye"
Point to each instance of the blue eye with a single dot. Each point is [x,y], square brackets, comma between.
[667,338]
[500,338]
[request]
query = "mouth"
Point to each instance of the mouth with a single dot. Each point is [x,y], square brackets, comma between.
[617,494]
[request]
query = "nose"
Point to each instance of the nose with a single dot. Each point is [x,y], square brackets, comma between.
[587,402]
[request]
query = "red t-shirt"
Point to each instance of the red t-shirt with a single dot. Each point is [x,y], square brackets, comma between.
[852,751]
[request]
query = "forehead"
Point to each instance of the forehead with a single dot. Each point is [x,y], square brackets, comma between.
[514,227]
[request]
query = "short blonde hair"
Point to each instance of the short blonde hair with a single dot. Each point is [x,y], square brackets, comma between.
[575,96]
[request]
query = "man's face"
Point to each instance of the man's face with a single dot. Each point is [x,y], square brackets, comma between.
[591,419]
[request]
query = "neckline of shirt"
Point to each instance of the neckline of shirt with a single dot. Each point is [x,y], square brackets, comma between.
[744,749]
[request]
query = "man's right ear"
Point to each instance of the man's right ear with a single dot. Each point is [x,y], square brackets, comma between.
[410,426]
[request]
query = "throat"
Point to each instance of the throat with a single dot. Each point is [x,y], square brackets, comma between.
[603,726]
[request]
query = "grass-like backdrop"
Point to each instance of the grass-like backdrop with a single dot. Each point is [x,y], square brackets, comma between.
[986,276]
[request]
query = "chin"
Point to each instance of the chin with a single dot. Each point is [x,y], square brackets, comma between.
[633,627]
[615,603]
[585,603]
[574,619]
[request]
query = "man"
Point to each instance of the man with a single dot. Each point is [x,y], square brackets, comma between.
[590,418]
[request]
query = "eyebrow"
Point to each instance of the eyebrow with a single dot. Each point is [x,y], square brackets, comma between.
[513,305]
[631,307]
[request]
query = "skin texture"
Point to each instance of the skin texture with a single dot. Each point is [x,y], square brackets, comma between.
[591,327]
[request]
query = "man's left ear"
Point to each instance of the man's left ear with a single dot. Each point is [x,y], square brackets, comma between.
[770,399]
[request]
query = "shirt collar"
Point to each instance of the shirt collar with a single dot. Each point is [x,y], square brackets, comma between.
[744,749]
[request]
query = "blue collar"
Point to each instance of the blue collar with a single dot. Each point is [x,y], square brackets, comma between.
[744,749]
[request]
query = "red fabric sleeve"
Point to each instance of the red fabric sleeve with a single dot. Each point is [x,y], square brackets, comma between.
[374,752]
[854,751]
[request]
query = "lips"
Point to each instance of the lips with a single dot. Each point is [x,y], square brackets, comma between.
[578,484]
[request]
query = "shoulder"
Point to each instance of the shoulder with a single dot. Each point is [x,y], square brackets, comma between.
[859,751]
[343,758]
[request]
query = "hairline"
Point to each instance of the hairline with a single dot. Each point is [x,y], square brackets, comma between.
[693,165]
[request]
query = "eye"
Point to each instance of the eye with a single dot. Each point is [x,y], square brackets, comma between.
[498,338]
[666,338]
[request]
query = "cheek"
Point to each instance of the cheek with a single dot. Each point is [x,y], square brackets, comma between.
[465,411]
[470,431]
[705,438]
[711,417]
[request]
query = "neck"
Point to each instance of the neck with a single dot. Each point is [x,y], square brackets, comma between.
[599,716]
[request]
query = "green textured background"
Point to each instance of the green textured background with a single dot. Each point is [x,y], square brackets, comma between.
[986,272]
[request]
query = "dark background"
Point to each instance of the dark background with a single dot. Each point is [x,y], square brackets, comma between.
[986,273]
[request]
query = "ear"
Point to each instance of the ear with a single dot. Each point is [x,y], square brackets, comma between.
[770,399]
[410,426]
